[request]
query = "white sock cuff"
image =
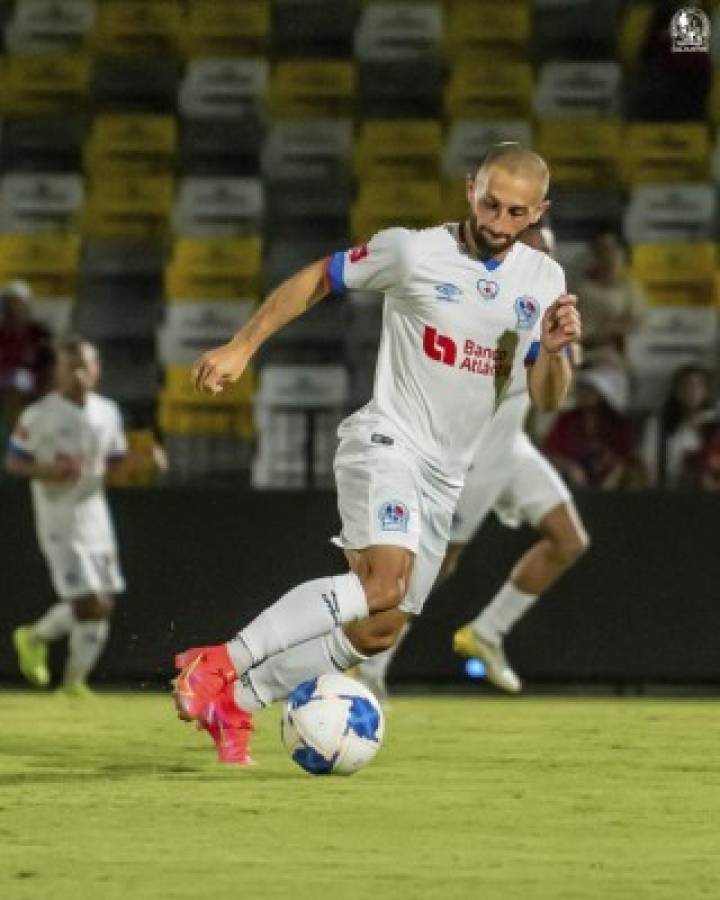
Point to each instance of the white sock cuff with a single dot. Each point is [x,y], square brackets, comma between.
[350,597]
[343,654]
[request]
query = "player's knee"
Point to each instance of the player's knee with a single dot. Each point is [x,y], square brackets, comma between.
[572,547]
[450,561]
[93,607]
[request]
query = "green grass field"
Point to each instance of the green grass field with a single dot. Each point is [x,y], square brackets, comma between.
[469,798]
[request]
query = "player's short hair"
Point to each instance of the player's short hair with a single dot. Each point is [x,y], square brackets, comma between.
[517,160]
[73,343]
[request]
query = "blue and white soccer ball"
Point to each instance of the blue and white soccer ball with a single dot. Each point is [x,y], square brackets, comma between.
[332,725]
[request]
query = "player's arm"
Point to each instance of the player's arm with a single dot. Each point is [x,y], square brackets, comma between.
[61,471]
[219,367]
[550,376]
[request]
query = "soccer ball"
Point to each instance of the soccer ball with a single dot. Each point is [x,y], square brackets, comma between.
[332,725]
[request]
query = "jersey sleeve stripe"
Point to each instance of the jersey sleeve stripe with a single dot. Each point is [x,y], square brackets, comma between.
[532,353]
[335,266]
[14,449]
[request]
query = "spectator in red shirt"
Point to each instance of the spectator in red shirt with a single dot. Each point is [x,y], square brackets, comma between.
[593,444]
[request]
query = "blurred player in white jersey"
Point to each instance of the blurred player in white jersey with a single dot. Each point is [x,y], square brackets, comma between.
[464,303]
[521,486]
[64,443]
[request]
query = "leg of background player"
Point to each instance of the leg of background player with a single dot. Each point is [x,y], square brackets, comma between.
[563,540]
[31,641]
[87,640]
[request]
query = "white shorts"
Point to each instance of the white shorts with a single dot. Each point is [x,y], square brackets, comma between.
[77,570]
[385,496]
[526,491]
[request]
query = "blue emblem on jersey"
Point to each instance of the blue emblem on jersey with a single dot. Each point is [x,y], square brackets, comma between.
[488,289]
[394,516]
[448,292]
[527,310]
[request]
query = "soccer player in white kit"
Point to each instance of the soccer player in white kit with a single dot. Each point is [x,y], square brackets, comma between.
[463,305]
[64,443]
[521,486]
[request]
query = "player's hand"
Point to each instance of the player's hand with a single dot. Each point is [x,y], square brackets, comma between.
[218,368]
[561,324]
[64,470]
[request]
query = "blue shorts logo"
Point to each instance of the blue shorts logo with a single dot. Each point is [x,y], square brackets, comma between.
[394,516]
[527,310]
[448,292]
[488,289]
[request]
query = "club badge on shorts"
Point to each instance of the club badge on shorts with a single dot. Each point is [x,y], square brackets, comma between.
[394,516]
[527,310]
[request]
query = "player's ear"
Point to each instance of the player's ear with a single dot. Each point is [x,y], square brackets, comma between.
[470,189]
[540,211]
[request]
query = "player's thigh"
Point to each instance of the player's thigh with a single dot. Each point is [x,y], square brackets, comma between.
[536,488]
[477,498]
[79,571]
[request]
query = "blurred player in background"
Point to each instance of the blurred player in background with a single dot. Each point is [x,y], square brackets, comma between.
[64,443]
[465,304]
[520,486]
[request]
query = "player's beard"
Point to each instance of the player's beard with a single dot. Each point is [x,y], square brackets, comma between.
[484,248]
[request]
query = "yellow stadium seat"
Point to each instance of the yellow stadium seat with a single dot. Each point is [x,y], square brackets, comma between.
[313,88]
[676,274]
[129,206]
[391,149]
[48,261]
[383,204]
[44,84]
[633,29]
[454,201]
[483,27]
[131,144]
[145,28]
[714,98]
[666,153]
[226,28]
[212,417]
[214,269]
[179,388]
[489,88]
[582,152]
[139,468]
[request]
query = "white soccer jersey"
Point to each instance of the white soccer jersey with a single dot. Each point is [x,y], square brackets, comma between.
[456,332]
[55,428]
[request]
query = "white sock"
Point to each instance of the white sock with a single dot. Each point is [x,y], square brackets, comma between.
[376,666]
[306,612]
[87,640]
[56,623]
[277,676]
[502,612]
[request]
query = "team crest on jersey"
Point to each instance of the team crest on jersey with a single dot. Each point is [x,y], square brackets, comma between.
[527,310]
[488,289]
[448,292]
[394,516]
[358,253]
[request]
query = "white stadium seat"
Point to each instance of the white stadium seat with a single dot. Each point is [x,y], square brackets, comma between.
[218,207]
[469,139]
[223,88]
[662,213]
[309,150]
[41,26]
[192,327]
[573,90]
[399,31]
[39,202]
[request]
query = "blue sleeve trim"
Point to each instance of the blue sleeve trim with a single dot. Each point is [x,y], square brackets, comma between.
[335,271]
[19,452]
[115,457]
[532,353]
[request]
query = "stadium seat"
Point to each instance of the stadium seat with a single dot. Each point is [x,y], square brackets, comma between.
[676,274]
[495,88]
[220,207]
[139,469]
[287,255]
[102,318]
[399,31]
[42,26]
[135,84]
[318,28]
[226,28]
[296,208]
[313,88]
[582,152]
[214,269]
[382,204]
[150,29]
[312,150]
[575,29]
[390,149]
[189,329]
[179,387]
[131,144]
[220,147]
[406,88]
[224,88]
[132,207]
[45,84]
[124,271]
[55,313]
[37,202]
[484,28]
[49,262]
[677,212]
[46,144]
[575,90]
[665,153]
[468,141]
[579,214]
